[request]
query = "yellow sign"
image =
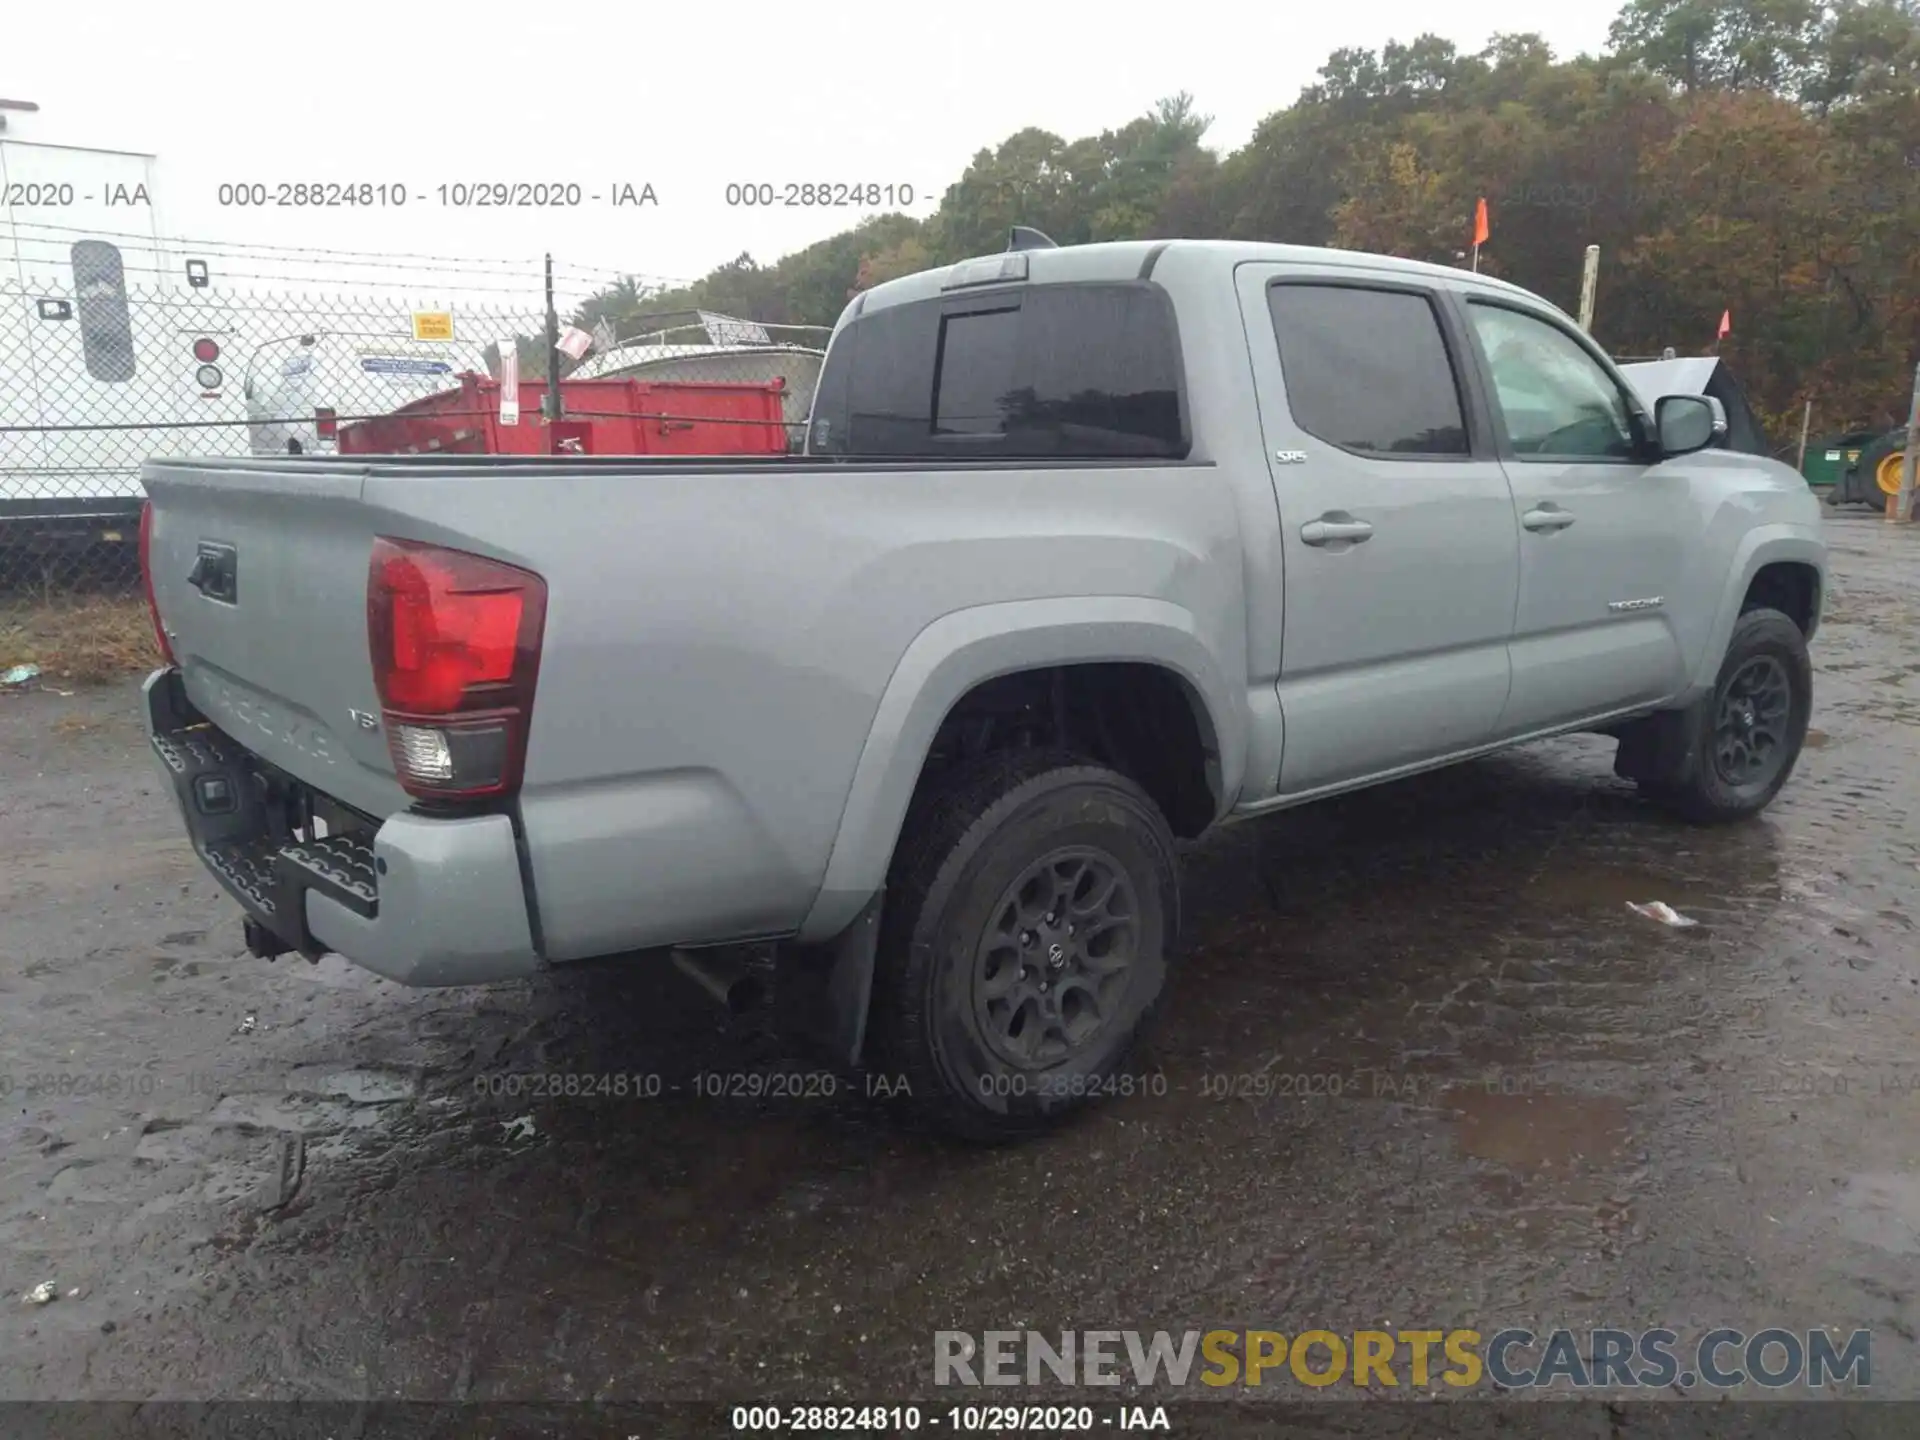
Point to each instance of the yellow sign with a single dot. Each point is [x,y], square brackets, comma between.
[433,324]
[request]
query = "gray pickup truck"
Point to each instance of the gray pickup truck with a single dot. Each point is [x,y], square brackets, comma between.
[1091,548]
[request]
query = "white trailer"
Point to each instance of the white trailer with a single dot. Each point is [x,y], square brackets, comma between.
[113,346]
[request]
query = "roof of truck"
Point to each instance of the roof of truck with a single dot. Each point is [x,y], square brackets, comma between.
[1127,259]
[636,355]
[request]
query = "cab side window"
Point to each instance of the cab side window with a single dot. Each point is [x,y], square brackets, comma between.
[1554,400]
[1368,370]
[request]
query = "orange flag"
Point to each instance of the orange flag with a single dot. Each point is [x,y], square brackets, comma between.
[1726,325]
[1480,230]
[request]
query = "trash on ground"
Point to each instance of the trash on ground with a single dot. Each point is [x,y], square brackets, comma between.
[246,1026]
[279,1188]
[519,1128]
[19,675]
[1663,912]
[45,1293]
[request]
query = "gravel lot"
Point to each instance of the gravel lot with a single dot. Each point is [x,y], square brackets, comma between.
[1526,1104]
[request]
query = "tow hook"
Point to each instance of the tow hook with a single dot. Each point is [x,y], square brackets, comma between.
[262,943]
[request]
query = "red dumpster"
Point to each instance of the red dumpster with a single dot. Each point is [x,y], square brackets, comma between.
[613,416]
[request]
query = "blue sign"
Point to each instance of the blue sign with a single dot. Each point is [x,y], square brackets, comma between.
[393,365]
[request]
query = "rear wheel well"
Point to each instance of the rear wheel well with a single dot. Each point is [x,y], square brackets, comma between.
[1790,587]
[1141,720]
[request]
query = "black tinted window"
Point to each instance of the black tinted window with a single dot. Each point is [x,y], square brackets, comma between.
[1368,370]
[977,353]
[1064,370]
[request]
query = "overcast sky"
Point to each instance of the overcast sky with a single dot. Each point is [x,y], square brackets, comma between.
[685,97]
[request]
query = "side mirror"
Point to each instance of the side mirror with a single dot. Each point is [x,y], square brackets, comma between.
[1686,423]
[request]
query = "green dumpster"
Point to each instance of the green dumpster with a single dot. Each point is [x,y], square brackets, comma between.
[1830,457]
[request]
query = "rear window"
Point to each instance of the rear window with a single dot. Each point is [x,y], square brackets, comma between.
[1051,371]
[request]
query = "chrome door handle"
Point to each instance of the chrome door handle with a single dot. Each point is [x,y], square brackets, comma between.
[1546,518]
[1329,528]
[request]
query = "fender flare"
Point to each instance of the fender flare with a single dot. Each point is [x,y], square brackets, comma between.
[967,647]
[1762,546]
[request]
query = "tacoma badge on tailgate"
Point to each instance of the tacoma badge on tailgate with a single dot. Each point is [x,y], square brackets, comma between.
[254,713]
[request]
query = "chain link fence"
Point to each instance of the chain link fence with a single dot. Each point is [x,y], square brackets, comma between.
[98,376]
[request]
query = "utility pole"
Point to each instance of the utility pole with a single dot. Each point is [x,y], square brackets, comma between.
[1589,280]
[1900,505]
[1806,423]
[552,407]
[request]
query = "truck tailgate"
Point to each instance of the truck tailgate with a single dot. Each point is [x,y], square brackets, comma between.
[260,576]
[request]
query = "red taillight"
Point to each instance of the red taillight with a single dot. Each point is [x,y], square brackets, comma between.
[326,422]
[456,649]
[146,581]
[206,351]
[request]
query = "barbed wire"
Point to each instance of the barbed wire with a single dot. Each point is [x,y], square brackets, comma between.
[399,274]
[531,288]
[269,250]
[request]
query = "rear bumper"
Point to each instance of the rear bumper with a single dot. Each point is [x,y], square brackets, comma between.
[422,901]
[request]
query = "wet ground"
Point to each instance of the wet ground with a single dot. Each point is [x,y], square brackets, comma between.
[1424,1068]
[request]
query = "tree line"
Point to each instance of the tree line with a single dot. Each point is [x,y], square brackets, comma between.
[1754,157]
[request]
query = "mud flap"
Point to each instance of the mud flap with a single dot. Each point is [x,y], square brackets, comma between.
[1664,748]
[822,992]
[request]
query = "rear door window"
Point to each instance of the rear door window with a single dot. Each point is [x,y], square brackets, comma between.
[1368,370]
[1049,371]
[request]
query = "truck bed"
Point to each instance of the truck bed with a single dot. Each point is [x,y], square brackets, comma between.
[719,637]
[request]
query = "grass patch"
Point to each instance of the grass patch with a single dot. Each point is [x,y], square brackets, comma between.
[83,641]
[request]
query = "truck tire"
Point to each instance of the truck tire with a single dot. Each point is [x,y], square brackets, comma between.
[1031,909]
[1742,739]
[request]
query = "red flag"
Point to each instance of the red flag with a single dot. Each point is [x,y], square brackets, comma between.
[1480,228]
[1726,325]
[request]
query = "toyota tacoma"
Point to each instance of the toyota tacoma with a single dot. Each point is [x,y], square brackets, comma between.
[1089,550]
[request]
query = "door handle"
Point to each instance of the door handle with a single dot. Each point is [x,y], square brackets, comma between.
[1336,525]
[1546,518]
